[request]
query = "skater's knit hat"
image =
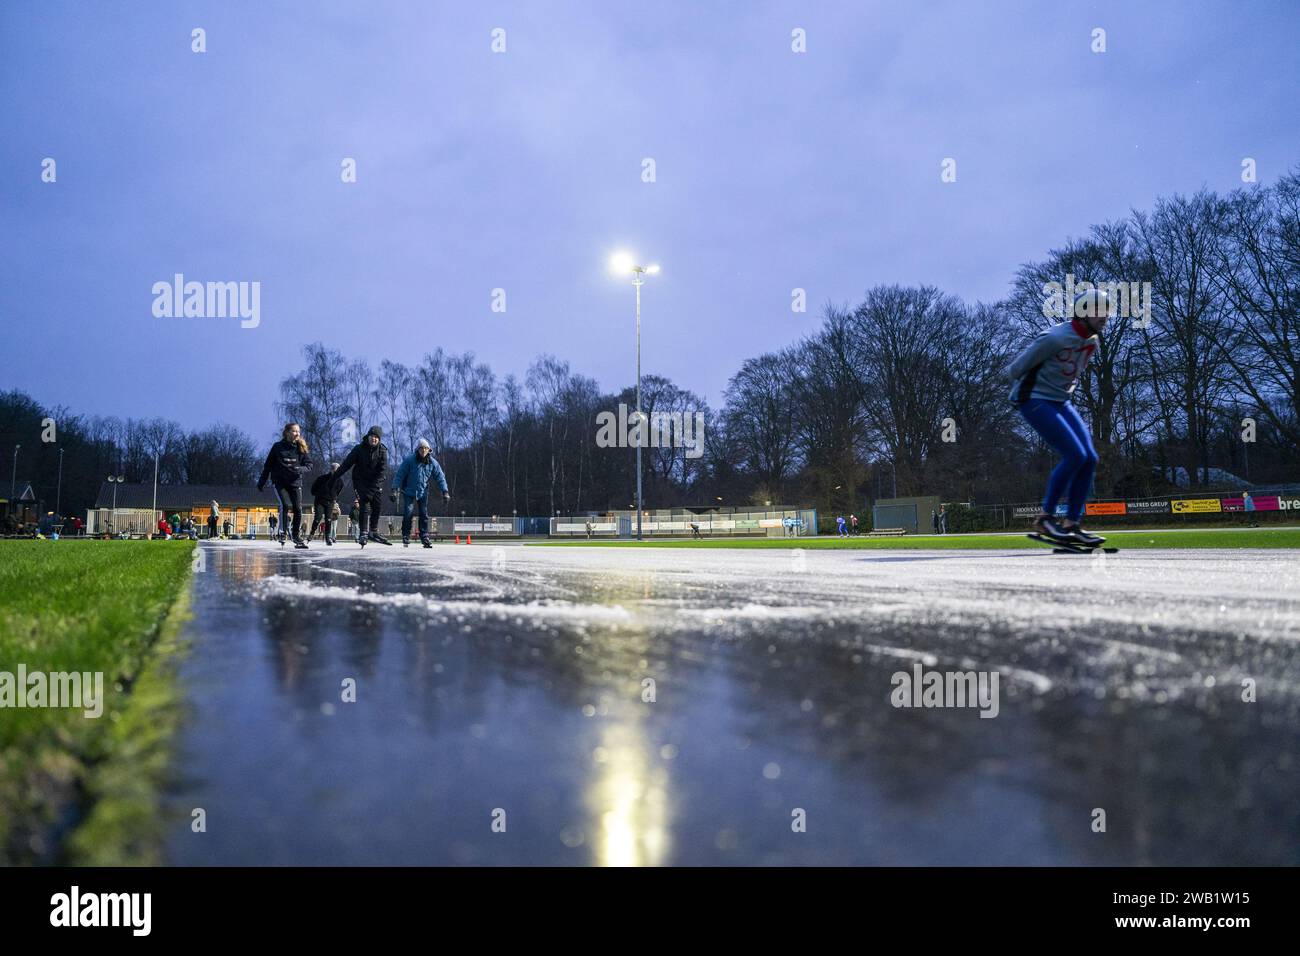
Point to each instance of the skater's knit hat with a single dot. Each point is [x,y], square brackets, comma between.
[423,443]
[1091,303]
[376,431]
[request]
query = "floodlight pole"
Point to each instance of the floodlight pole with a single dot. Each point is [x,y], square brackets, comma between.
[640,508]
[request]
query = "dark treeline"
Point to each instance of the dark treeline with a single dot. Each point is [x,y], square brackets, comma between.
[902,391]
[95,447]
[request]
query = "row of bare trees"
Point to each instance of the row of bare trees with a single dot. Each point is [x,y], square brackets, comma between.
[95,447]
[903,391]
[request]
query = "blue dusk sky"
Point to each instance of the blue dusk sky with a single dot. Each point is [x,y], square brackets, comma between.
[522,170]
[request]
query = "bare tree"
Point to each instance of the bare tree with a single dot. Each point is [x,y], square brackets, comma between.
[316,398]
[1257,269]
[760,417]
[1193,331]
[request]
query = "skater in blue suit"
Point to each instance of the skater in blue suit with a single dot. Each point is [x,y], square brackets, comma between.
[1045,376]
[412,480]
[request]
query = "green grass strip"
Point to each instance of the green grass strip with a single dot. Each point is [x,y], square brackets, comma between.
[76,789]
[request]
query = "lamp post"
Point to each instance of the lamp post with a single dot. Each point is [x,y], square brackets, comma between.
[13,478]
[622,262]
[58,494]
[113,520]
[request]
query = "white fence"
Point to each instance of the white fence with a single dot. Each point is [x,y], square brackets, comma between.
[776,523]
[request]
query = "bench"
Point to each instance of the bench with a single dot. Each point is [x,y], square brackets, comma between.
[886,532]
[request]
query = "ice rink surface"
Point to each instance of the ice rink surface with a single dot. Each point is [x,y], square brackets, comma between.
[574,705]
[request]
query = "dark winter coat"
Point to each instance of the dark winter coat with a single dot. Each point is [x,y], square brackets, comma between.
[369,466]
[285,465]
[325,489]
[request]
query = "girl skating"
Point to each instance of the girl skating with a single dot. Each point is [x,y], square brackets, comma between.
[285,464]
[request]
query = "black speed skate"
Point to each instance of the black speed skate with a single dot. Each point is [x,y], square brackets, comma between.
[379,538]
[426,542]
[1067,540]
[1083,538]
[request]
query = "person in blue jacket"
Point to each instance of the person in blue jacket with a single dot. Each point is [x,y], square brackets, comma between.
[412,480]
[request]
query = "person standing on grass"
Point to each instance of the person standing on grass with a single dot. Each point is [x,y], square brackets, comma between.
[285,464]
[1045,376]
[853,524]
[412,480]
[368,462]
[943,519]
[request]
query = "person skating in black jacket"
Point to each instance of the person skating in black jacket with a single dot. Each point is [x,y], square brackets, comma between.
[285,463]
[369,464]
[325,493]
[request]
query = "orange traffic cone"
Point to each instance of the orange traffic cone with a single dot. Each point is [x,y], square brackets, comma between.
[469,539]
[458,539]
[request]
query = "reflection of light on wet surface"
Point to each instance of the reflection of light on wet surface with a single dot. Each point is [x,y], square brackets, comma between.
[511,677]
[628,798]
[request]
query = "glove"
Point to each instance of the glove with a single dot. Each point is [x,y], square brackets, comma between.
[446,497]
[261,485]
[393,496]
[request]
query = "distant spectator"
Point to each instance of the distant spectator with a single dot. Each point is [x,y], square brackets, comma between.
[273,520]
[214,518]
[225,528]
[589,529]
[853,523]
[1247,502]
[934,520]
[695,529]
[164,529]
[943,519]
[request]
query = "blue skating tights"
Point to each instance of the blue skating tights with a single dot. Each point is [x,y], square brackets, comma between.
[1063,429]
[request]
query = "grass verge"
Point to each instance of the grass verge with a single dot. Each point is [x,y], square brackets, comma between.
[78,789]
